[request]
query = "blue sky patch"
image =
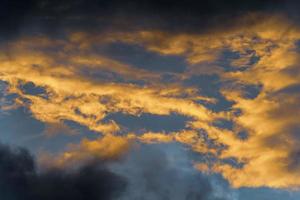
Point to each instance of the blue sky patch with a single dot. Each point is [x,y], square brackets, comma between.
[139,57]
[149,122]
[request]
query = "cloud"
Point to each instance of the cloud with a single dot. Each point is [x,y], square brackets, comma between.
[93,100]
[270,118]
[51,17]
[78,83]
[147,172]
[108,147]
[20,180]
[166,172]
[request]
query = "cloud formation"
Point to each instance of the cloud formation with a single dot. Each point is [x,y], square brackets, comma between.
[249,64]
[32,16]
[166,172]
[20,180]
[128,178]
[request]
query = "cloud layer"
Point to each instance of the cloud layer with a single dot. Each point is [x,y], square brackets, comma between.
[235,84]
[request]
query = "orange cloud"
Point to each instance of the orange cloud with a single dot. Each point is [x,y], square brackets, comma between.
[107,147]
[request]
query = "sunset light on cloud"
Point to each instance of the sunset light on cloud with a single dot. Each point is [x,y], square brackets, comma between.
[149,100]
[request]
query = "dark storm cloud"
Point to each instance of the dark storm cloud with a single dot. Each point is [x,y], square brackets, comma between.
[33,16]
[19,180]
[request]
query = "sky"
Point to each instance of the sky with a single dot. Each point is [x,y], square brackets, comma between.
[149,100]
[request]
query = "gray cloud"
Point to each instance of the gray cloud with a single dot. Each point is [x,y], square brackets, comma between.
[33,16]
[165,172]
[150,172]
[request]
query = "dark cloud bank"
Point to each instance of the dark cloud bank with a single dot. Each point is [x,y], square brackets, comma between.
[146,174]
[19,180]
[53,16]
